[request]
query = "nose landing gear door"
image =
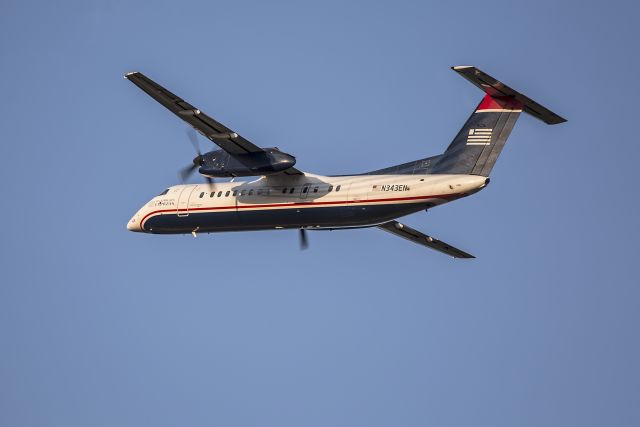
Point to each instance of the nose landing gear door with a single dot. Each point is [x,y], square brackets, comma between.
[183,200]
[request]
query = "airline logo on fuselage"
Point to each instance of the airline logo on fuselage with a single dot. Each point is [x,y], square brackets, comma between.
[481,136]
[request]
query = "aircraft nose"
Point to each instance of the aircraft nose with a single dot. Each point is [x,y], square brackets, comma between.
[134,224]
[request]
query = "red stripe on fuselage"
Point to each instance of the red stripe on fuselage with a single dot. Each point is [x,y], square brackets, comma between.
[280,205]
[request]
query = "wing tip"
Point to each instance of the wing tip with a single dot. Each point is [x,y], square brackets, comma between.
[461,67]
[126,76]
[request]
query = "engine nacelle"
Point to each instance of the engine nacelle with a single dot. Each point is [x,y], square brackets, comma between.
[219,163]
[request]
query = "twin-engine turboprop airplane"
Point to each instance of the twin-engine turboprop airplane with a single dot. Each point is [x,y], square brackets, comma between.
[283,197]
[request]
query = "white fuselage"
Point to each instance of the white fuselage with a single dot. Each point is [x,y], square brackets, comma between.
[305,201]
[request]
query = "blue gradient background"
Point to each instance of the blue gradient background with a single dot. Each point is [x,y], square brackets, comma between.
[103,327]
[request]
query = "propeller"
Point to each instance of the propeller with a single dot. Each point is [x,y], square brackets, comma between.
[187,171]
[304,243]
[193,137]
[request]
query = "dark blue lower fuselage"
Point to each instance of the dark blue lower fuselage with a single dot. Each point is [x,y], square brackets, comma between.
[266,219]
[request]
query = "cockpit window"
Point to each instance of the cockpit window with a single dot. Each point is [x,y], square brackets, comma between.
[164,192]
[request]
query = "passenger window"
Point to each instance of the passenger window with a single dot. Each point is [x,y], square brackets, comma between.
[220,193]
[284,190]
[213,193]
[250,192]
[338,188]
[235,192]
[291,191]
[202,195]
[304,190]
[227,194]
[330,189]
[243,192]
[315,189]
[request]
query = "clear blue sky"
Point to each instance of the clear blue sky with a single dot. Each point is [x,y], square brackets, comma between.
[103,327]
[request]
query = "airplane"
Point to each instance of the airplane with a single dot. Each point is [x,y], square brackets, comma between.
[283,197]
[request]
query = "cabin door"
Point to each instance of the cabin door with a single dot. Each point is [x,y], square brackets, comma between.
[183,200]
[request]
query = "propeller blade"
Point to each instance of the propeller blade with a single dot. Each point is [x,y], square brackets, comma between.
[193,137]
[304,244]
[186,172]
[210,182]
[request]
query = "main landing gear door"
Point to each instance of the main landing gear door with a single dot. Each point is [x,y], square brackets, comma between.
[183,200]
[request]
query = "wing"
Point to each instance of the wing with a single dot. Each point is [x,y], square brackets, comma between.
[394,227]
[213,130]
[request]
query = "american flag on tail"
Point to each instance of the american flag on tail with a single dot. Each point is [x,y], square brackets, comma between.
[480,136]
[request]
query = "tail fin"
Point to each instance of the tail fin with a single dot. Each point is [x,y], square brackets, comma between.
[478,144]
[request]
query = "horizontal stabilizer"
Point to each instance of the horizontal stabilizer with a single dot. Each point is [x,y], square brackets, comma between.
[497,89]
[406,232]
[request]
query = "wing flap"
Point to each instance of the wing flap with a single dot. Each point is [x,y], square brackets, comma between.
[406,232]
